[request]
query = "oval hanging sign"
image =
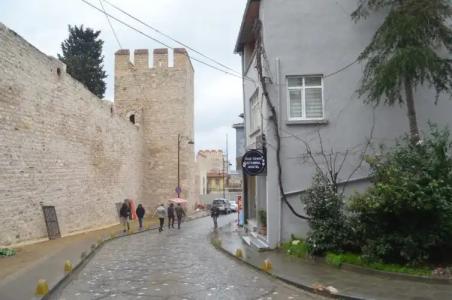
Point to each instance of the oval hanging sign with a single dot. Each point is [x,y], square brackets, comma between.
[253,162]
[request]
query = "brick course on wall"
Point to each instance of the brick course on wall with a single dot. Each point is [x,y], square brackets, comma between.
[59,145]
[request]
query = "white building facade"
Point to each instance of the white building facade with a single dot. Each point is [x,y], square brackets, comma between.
[311,74]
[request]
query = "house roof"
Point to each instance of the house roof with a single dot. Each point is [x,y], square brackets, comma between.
[250,15]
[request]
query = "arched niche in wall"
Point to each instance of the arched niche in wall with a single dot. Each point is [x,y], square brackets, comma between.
[132,117]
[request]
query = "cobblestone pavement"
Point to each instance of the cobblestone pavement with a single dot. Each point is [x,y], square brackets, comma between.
[175,264]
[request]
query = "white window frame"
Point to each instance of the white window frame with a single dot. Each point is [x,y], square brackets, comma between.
[303,98]
[255,120]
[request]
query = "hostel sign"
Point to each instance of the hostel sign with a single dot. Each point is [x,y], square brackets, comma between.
[254,162]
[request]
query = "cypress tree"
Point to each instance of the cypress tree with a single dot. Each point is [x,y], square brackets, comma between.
[411,48]
[82,53]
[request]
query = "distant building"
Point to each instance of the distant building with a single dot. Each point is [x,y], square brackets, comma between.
[210,162]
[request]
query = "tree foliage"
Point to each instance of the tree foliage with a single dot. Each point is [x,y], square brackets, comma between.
[82,53]
[412,47]
[406,217]
[329,228]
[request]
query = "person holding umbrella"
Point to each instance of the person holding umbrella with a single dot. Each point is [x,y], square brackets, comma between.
[179,214]
[171,215]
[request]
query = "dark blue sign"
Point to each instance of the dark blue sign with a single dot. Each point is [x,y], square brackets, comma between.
[253,162]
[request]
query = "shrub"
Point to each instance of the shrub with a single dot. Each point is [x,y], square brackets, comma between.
[338,259]
[406,217]
[296,247]
[328,224]
[262,217]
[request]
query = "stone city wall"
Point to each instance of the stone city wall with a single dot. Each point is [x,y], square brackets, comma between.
[59,145]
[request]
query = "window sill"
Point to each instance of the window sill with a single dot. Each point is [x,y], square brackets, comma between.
[307,122]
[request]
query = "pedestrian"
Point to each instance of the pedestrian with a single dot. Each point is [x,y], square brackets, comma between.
[171,215]
[140,214]
[214,213]
[161,214]
[180,212]
[124,213]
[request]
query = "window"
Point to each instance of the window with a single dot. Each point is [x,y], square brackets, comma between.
[305,95]
[255,119]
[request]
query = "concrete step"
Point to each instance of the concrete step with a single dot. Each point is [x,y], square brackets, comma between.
[255,242]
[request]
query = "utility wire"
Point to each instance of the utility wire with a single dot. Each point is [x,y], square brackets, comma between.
[111,26]
[341,69]
[160,42]
[171,38]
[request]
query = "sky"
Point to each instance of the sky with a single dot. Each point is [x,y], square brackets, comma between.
[209,26]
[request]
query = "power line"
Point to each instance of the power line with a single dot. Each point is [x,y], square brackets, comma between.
[341,69]
[111,26]
[171,38]
[160,42]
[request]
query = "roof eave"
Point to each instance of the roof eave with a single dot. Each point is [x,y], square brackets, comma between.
[239,44]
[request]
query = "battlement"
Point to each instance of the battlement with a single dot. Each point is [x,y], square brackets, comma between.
[123,60]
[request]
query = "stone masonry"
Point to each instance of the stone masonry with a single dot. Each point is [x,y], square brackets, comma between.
[60,145]
[161,99]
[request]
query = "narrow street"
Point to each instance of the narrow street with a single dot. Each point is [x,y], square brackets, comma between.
[176,264]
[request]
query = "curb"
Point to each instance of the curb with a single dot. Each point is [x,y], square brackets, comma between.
[63,282]
[296,284]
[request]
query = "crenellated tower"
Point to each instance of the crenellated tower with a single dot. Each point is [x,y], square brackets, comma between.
[159,100]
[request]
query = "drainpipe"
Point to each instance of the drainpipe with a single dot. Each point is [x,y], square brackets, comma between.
[278,84]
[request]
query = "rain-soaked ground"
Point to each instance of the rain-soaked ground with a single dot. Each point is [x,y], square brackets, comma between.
[175,264]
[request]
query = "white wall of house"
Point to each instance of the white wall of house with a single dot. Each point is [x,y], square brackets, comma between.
[318,37]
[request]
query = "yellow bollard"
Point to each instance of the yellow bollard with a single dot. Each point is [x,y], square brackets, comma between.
[266,265]
[239,253]
[42,288]
[67,266]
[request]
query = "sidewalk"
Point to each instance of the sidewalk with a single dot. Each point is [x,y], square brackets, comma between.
[45,260]
[350,285]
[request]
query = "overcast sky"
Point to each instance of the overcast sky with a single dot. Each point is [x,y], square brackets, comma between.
[209,26]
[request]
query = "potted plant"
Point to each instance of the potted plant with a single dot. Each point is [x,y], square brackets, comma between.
[263,222]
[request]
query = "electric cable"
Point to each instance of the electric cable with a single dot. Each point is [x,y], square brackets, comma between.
[111,26]
[171,38]
[160,42]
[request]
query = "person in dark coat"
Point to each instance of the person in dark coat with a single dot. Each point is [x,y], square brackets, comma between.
[214,213]
[180,213]
[170,214]
[124,214]
[140,214]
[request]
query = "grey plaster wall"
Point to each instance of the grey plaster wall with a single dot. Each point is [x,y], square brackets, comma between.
[319,37]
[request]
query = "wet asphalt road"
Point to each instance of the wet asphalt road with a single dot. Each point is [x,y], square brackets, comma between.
[175,264]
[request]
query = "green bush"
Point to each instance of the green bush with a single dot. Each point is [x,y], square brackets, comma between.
[406,217]
[262,217]
[329,226]
[338,260]
[296,247]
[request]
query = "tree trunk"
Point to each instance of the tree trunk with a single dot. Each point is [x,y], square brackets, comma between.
[414,130]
